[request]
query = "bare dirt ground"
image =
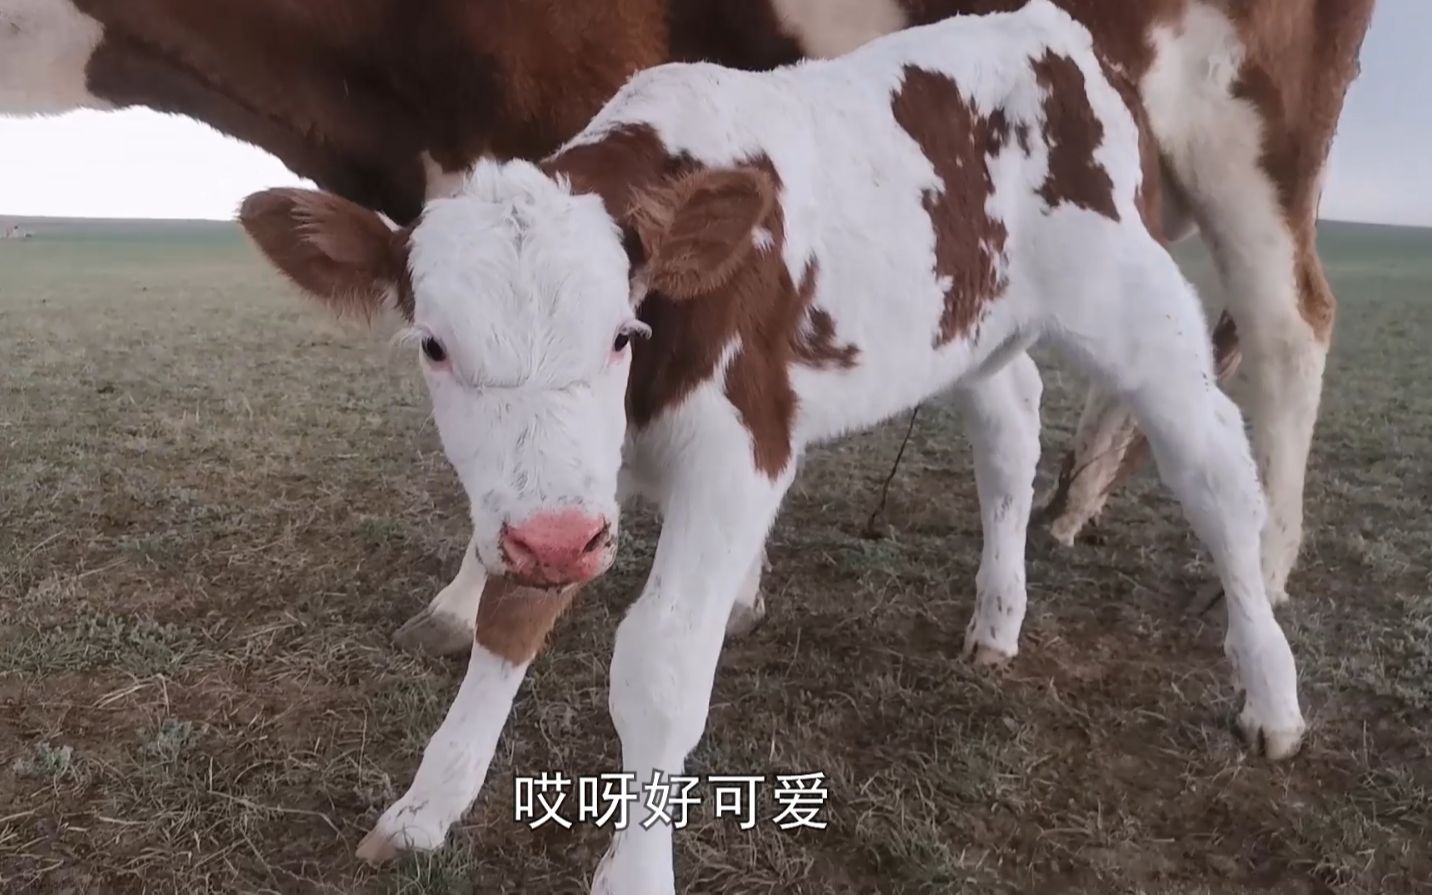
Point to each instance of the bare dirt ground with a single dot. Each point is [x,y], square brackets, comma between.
[216,508]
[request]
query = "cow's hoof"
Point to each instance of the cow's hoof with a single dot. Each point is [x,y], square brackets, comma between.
[432,633]
[1273,743]
[746,619]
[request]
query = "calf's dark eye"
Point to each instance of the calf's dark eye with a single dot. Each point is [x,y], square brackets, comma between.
[621,343]
[434,351]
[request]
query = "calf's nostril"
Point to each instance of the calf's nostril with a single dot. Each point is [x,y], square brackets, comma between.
[599,540]
[518,551]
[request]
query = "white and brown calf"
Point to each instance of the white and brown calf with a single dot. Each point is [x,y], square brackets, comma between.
[726,267]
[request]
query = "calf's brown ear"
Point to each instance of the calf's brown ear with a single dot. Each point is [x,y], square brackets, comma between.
[697,231]
[339,252]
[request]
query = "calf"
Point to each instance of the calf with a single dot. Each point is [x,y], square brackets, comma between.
[726,267]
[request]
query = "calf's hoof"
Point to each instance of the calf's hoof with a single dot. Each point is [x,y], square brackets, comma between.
[1274,743]
[397,831]
[620,873]
[986,655]
[432,633]
[377,848]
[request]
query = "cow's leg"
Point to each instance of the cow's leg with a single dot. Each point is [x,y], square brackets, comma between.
[1284,309]
[512,624]
[1248,139]
[445,626]
[1001,418]
[749,610]
[719,509]
[1150,349]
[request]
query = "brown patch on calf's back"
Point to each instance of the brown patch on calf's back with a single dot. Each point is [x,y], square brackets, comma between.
[1073,132]
[513,622]
[969,244]
[815,344]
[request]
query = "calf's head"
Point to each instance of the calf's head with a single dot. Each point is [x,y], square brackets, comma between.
[522,299]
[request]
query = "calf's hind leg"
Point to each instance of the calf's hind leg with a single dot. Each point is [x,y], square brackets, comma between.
[1150,348]
[1000,414]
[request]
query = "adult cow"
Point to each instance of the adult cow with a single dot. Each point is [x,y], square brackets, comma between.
[707,280]
[386,102]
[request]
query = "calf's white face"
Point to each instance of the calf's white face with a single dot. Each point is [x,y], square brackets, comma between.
[518,294]
[524,315]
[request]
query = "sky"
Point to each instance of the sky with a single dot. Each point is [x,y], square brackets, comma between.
[138,163]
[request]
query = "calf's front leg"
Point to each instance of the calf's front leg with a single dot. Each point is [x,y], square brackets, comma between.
[667,646]
[512,623]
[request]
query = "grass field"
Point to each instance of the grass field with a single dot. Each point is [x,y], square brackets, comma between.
[216,507]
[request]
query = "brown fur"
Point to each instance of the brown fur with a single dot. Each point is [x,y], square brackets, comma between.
[969,244]
[1073,132]
[338,251]
[513,622]
[353,94]
[774,317]
[696,231]
[1301,59]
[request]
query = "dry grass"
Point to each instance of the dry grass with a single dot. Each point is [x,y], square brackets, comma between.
[217,508]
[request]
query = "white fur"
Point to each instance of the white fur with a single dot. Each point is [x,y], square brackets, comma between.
[440,183]
[530,403]
[45,46]
[455,761]
[829,28]
[525,284]
[1001,416]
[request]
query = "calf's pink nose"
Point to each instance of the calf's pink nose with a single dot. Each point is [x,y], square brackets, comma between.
[554,542]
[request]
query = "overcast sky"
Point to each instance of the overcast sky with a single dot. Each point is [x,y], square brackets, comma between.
[140,164]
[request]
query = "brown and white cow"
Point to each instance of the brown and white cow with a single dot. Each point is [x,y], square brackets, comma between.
[388,102]
[725,267]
